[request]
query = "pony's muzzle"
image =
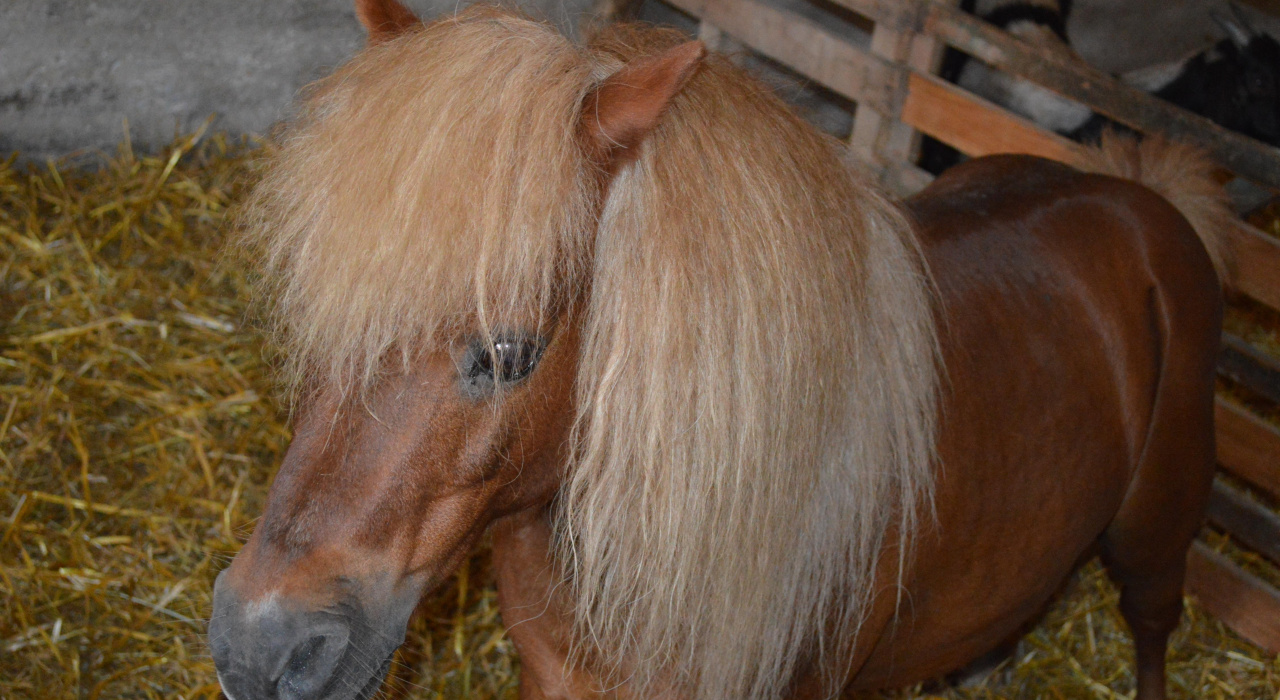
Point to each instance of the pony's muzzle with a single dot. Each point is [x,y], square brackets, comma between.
[267,649]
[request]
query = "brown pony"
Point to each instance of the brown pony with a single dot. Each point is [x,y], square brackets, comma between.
[741,427]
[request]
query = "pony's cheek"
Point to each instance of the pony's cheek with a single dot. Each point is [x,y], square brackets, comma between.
[446,532]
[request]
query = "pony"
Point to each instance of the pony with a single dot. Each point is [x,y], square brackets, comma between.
[739,424]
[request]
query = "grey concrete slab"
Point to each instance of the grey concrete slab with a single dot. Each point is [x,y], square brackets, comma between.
[73,71]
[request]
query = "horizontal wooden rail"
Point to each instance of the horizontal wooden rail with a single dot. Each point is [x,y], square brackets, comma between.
[974,126]
[1257,259]
[906,15]
[1250,367]
[807,48]
[1248,521]
[1248,446]
[1243,601]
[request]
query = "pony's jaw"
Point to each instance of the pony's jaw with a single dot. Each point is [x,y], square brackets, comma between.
[377,501]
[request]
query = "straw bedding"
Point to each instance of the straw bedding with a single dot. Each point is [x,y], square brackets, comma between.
[139,430]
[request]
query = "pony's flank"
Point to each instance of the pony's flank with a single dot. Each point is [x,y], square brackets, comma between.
[756,390]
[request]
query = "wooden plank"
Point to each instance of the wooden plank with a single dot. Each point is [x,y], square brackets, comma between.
[1078,81]
[1244,364]
[1248,446]
[897,141]
[871,127]
[896,14]
[974,126]
[1257,257]
[1247,521]
[1246,603]
[808,48]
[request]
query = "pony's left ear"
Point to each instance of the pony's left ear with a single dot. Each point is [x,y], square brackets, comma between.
[622,110]
[385,19]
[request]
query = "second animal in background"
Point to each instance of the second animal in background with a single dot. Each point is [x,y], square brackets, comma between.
[1235,82]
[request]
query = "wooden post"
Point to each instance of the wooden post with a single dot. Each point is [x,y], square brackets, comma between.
[710,35]
[884,141]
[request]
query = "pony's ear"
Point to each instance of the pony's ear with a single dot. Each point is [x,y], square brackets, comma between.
[623,109]
[385,19]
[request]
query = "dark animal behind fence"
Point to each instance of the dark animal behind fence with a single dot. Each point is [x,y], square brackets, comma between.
[1235,83]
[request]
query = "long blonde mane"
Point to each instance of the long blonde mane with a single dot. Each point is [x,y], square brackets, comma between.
[758,379]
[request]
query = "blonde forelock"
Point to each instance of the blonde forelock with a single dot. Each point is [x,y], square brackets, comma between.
[431,184]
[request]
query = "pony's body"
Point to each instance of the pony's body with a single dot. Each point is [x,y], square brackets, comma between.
[1110,419]
[624,306]
[1086,423]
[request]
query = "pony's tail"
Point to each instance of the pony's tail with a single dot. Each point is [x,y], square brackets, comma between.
[1181,173]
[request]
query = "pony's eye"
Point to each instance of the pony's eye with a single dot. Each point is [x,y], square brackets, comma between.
[506,361]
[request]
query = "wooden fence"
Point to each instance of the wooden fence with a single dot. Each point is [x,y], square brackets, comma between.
[898,97]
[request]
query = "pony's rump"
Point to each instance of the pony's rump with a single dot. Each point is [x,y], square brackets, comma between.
[1183,174]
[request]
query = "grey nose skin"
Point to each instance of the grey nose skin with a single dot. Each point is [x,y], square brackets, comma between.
[265,650]
[336,646]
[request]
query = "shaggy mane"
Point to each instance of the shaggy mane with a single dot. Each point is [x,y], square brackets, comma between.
[757,385]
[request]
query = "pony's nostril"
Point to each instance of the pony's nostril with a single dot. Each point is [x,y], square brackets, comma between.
[311,665]
[302,656]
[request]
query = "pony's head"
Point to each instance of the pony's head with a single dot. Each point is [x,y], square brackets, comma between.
[425,226]
[622,283]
